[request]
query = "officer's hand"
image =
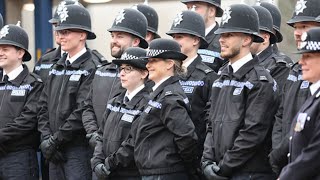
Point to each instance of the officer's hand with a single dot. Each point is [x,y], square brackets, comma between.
[48,147]
[57,157]
[93,137]
[101,171]
[210,172]
[275,168]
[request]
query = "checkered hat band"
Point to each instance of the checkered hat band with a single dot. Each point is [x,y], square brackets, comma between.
[313,45]
[127,56]
[155,52]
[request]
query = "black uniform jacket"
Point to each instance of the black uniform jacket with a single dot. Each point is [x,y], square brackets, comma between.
[211,55]
[44,64]
[165,139]
[18,111]
[282,55]
[62,99]
[304,149]
[117,122]
[240,120]
[295,93]
[105,86]
[197,86]
[276,65]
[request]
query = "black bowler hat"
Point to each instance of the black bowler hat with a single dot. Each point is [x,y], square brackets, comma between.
[165,49]
[310,41]
[216,3]
[305,10]
[134,57]
[276,16]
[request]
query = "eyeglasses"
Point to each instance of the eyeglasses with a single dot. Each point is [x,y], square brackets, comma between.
[127,69]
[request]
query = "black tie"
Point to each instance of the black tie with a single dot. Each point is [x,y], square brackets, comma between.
[6,79]
[126,100]
[230,70]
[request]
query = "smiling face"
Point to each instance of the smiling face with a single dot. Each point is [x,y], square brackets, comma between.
[189,44]
[10,57]
[159,69]
[310,64]
[72,40]
[131,77]
[120,41]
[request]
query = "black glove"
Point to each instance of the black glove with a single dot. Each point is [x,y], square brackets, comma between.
[274,165]
[101,171]
[57,157]
[93,138]
[49,147]
[210,172]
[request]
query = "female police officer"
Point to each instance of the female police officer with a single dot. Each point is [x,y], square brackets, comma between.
[122,111]
[164,141]
[304,140]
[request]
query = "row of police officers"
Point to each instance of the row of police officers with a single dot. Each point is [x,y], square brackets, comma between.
[214,102]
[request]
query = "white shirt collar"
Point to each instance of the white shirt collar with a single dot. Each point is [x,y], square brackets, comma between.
[208,29]
[159,83]
[14,74]
[187,62]
[314,87]
[134,92]
[76,56]
[238,64]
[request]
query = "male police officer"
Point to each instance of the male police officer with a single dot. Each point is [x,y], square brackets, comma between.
[64,143]
[296,90]
[209,10]
[304,134]
[278,68]
[128,30]
[276,17]
[152,18]
[188,29]
[242,104]
[19,92]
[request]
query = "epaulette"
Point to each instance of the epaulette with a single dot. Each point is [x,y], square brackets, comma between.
[282,60]
[167,93]
[206,69]
[296,67]
[36,77]
[263,74]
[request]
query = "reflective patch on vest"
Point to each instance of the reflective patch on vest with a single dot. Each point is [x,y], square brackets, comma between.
[18,92]
[292,78]
[237,91]
[191,83]
[75,77]
[10,87]
[233,83]
[304,85]
[208,53]
[107,74]
[148,109]
[127,117]
[187,89]
[155,104]
[123,110]
[69,72]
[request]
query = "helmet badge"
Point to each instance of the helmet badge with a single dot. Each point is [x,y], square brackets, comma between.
[226,15]
[300,6]
[63,14]
[4,31]
[120,17]
[178,19]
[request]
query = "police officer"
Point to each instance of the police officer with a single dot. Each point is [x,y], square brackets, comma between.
[45,62]
[242,104]
[209,10]
[128,30]
[188,30]
[19,92]
[63,136]
[278,68]
[296,89]
[276,17]
[304,134]
[164,143]
[121,113]
[152,18]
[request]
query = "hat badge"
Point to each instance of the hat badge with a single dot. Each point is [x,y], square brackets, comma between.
[300,6]
[4,31]
[178,19]
[226,15]
[135,7]
[63,14]
[120,17]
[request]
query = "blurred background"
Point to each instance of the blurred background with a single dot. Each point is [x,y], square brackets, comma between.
[34,16]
